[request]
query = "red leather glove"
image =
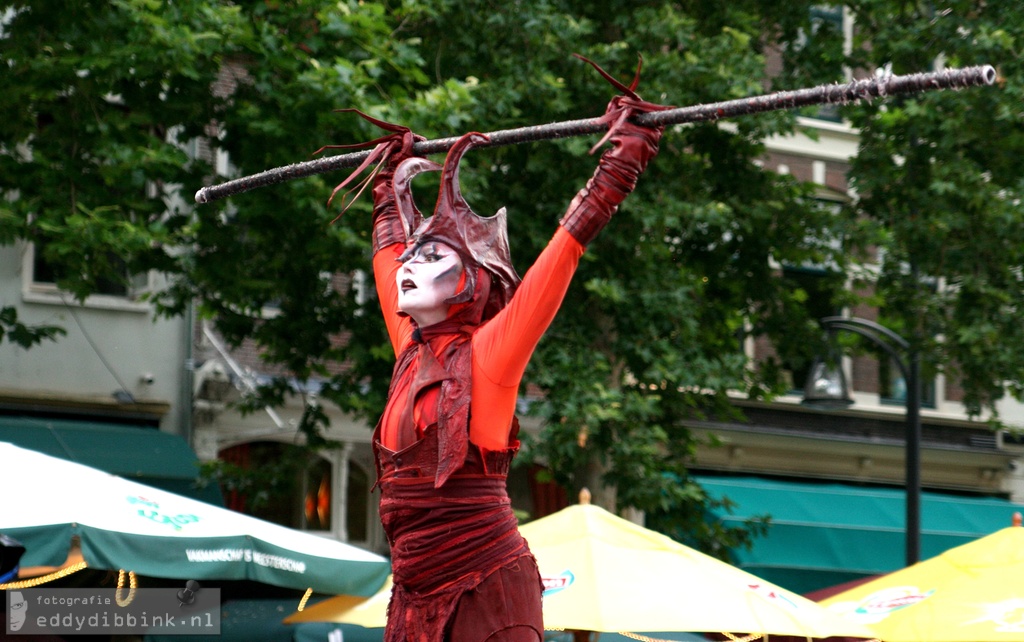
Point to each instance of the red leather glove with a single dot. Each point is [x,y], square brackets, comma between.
[388,152]
[633,146]
[613,180]
[388,227]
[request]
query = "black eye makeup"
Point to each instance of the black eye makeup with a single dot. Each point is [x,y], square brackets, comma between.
[429,253]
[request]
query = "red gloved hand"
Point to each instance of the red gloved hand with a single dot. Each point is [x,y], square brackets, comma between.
[388,227]
[633,146]
[388,152]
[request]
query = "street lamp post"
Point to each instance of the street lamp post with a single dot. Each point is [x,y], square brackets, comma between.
[824,390]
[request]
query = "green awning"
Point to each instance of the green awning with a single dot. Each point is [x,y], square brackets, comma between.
[139,453]
[825,534]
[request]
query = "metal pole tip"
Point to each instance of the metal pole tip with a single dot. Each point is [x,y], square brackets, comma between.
[988,73]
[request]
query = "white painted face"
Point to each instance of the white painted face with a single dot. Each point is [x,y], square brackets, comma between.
[426,279]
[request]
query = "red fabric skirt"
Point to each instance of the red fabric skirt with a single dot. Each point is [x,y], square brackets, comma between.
[462,571]
[506,607]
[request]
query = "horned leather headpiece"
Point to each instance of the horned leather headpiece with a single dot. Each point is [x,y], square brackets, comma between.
[481,242]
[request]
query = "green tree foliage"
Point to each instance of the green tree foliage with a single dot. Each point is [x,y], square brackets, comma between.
[940,188]
[108,104]
[651,332]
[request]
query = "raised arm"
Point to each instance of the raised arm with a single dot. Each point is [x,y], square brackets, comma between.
[520,326]
[393,220]
[503,347]
[633,146]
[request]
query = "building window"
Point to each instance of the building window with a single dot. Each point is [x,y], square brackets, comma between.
[830,38]
[41,277]
[44,274]
[279,483]
[357,504]
[317,504]
[820,286]
[892,388]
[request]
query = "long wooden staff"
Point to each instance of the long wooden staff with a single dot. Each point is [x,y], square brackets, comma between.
[823,94]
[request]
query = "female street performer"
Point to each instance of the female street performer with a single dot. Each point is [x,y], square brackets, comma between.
[463,327]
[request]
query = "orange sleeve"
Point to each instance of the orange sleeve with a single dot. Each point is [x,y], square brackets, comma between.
[503,346]
[385,269]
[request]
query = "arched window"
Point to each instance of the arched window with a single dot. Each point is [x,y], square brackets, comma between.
[357,504]
[318,491]
[281,483]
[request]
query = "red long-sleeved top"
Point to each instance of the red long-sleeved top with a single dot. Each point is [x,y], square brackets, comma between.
[502,346]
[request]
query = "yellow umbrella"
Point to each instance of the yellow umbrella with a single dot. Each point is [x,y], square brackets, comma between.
[974,592]
[603,573]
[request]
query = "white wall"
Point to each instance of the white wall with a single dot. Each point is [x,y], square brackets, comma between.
[110,343]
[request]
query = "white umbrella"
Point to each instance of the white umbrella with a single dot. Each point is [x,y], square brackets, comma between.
[121,524]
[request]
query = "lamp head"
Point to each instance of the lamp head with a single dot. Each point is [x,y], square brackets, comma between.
[826,387]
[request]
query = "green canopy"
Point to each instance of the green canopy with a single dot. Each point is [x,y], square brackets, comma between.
[141,453]
[823,534]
